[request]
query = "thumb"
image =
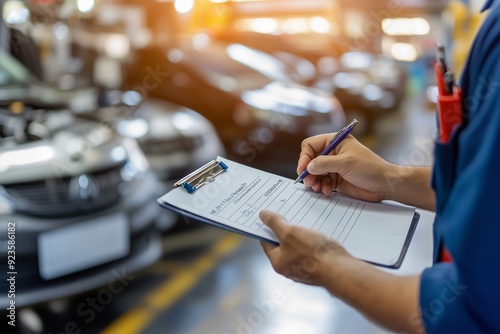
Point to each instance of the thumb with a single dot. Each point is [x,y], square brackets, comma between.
[274,221]
[327,164]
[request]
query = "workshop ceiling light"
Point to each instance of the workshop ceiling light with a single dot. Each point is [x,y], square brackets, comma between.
[295,26]
[115,45]
[263,25]
[183,6]
[406,26]
[404,52]
[85,6]
[319,25]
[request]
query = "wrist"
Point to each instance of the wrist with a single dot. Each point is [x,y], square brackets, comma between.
[332,261]
[410,185]
[336,274]
[394,176]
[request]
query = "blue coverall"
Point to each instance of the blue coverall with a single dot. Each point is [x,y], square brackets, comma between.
[463,296]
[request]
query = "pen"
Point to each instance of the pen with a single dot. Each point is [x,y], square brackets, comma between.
[441,58]
[449,82]
[448,77]
[333,143]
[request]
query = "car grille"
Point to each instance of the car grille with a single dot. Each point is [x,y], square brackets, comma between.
[68,196]
[166,146]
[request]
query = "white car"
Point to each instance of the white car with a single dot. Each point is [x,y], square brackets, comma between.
[81,201]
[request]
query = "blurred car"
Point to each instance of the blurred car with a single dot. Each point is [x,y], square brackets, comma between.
[367,85]
[252,98]
[175,139]
[288,48]
[18,84]
[81,196]
[81,200]
[375,84]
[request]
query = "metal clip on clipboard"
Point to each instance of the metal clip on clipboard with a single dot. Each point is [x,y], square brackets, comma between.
[450,97]
[201,176]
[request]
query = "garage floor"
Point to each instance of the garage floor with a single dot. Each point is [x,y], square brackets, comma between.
[209,281]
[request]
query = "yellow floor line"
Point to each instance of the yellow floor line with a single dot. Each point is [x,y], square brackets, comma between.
[237,295]
[137,318]
[165,267]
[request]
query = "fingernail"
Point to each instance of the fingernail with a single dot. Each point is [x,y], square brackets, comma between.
[311,168]
[264,214]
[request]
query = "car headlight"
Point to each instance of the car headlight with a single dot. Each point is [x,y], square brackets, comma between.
[131,98]
[182,121]
[6,206]
[136,157]
[133,128]
[25,156]
[324,105]
[372,93]
[354,82]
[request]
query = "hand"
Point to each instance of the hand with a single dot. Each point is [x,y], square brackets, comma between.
[303,255]
[350,169]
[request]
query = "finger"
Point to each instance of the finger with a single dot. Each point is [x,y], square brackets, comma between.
[310,180]
[335,178]
[328,164]
[274,221]
[316,144]
[268,248]
[316,186]
[326,186]
[304,160]
[311,148]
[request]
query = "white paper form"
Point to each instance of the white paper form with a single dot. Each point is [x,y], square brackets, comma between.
[374,232]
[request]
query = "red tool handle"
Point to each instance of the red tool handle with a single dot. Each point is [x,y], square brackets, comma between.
[450,107]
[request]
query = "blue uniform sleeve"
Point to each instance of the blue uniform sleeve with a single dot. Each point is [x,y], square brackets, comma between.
[464,296]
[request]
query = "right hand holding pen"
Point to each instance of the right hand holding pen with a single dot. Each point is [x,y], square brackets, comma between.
[351,168]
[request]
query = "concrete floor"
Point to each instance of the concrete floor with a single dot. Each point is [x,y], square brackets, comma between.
[210,281]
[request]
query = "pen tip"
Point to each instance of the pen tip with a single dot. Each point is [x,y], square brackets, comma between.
[296,181]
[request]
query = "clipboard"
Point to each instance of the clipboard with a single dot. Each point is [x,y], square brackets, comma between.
[231,195]
[201,176]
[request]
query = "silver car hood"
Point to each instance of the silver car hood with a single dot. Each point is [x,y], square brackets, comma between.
[80,148]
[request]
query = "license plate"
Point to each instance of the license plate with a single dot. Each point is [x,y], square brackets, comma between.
[83,245]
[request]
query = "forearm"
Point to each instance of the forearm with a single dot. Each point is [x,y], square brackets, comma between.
[410,185]
[386,299]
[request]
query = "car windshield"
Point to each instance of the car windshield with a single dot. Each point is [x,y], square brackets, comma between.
[11,71]
[259,61]
[235,67]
